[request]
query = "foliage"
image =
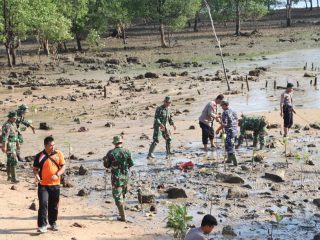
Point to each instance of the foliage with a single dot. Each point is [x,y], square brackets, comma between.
[93,40]
[178,219]
[48,22]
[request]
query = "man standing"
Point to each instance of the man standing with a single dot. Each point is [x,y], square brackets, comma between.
[206,119]
[21,112]
[48,167]
[257,124]
[120,162]
[207,225]
[9,145]
[229,122]
[286,108]
[162,118]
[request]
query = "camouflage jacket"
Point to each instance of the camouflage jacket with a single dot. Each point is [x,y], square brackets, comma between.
[230,120]
[120,161]
[251,123]
[163,116]
[9,132]
[21,120]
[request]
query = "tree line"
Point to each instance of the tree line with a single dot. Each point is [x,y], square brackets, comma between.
[57,21]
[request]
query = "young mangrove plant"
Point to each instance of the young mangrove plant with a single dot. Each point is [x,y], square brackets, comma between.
[178,219]
[298,157]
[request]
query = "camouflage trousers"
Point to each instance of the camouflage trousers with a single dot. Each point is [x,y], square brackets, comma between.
[157,133]
[231,135]
[119,190]
[261,134]
[12,160]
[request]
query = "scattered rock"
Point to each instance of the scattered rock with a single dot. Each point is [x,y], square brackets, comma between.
[174,193]
[113,61]
[256,72]
[276,177]
[228,231]
[67,183]
[317,237]
[275,187]
[258,157]
[13,187]
[184,74]
[315,125]
[109,124]
[273,126]
[229,178]
[78,225]
[146,198]
[82,171]
[28,92]
[192,127]
[236,193]
[151,75]
[133,60]
[153,208]
[144,137]
[33,207]
[83,129]
[164,60]
[44,126]
[316,202]
[306,74]
[83,192]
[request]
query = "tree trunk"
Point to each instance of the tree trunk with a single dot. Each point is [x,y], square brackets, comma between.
[13,54]
[124,34]
[163,40]
[269,5]
[79,43]
[311,5]
[9,56]
[289,7]
[65,46]
[238,18]
[189,23]
[195,26]
[305,1]
[45,43]
[317,3]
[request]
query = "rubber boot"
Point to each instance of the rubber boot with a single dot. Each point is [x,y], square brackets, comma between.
[8,172]
[13,174]
[261,146]
[151,150]
[168,149]
[233,158]
[229,160]
[121,211]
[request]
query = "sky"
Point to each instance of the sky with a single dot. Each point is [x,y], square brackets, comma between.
[302,4]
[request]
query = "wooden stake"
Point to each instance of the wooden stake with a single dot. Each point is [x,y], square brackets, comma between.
[275,84]
[247,83]
[105,91]
[315,81]
[266,84]
[298,84]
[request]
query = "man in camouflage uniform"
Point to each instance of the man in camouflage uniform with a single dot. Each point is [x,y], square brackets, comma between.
[229,122]
[21,112]
[163,117]
[120,161]
[10,143]
[257,124]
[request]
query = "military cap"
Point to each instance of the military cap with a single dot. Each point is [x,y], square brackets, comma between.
[167,99]
[226,103]
[117,139]
[23,108]
[12,114]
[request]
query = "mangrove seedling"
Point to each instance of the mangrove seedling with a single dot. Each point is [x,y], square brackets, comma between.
[298,156]
[178,219]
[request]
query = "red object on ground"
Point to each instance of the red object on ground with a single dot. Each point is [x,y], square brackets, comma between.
[186,166]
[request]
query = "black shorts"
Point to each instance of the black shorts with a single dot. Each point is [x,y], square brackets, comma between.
[287,116]
[207,132]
